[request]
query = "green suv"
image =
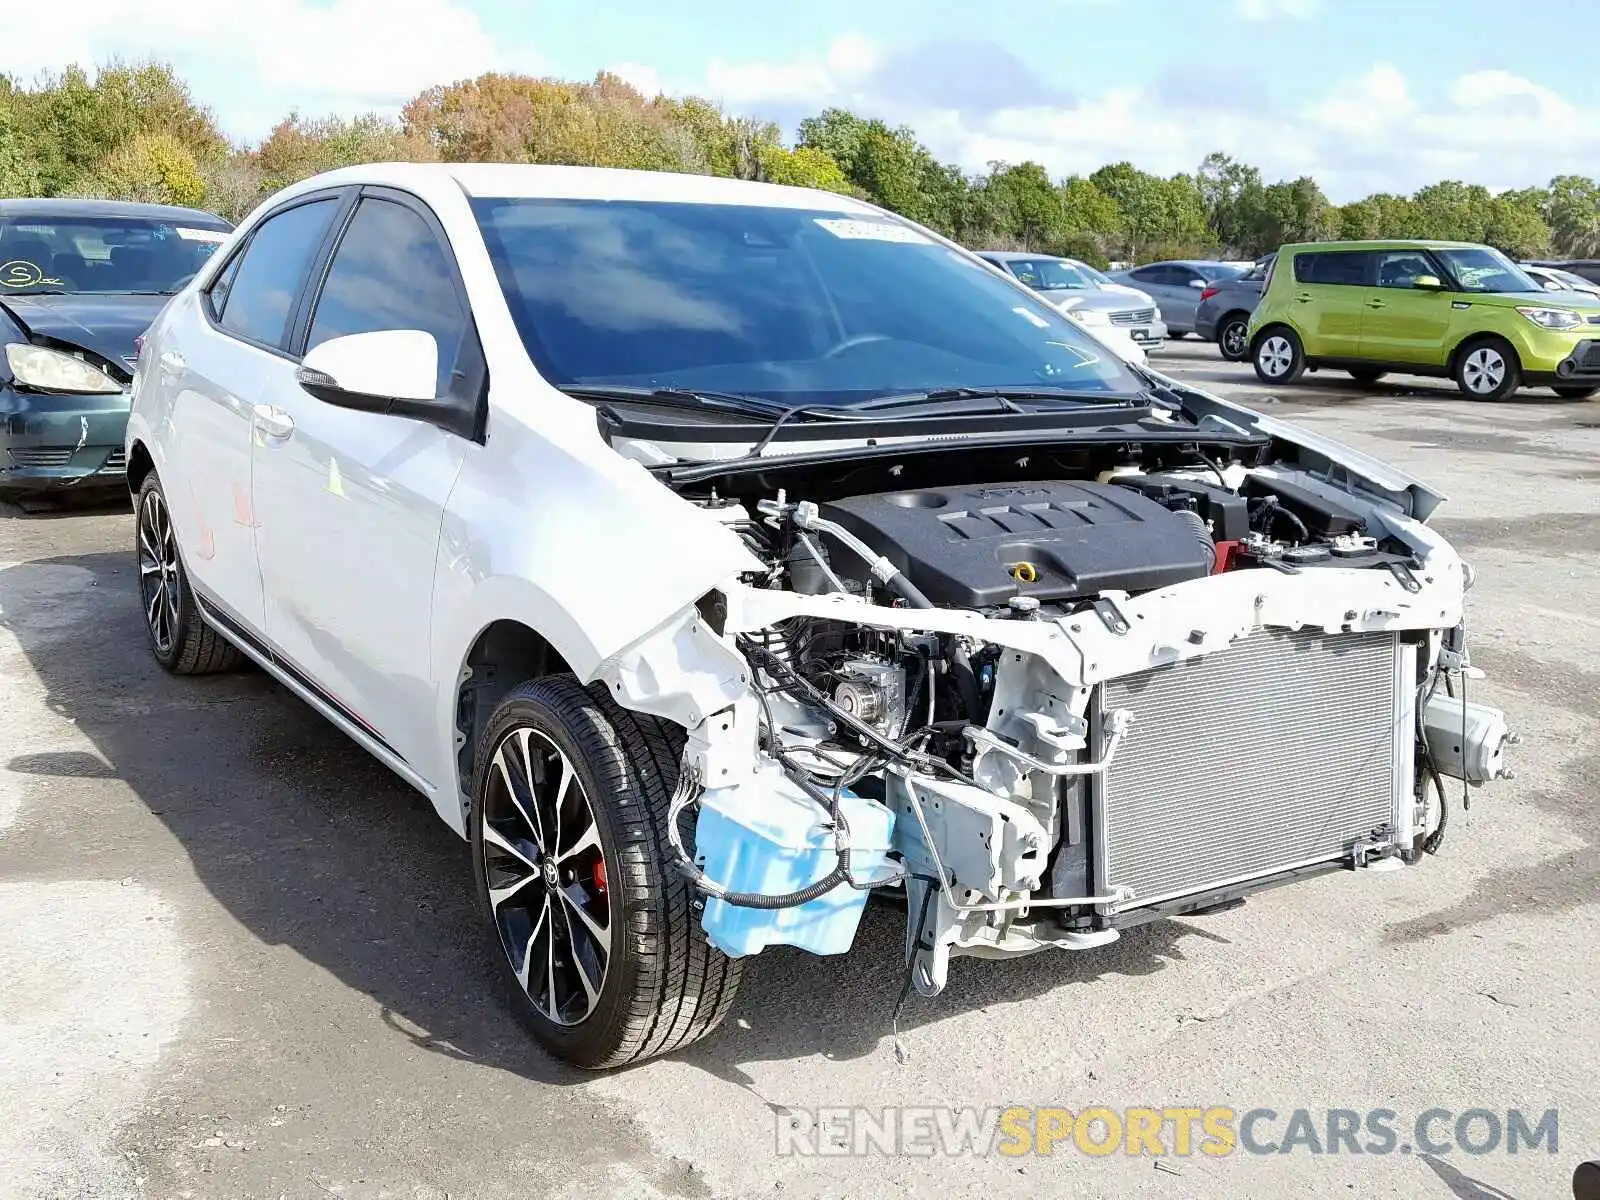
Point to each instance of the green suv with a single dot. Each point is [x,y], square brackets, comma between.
[1450,309]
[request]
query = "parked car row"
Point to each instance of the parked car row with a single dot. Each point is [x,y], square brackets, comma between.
[80,280]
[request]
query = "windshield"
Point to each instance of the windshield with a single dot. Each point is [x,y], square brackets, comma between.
[1099,277]
[1217,272]
[1572,281]
[103,255]
[792,305]
[1480,269]
[1050,274]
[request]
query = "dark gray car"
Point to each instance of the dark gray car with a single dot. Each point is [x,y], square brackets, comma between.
[1223,315]
[1176,287]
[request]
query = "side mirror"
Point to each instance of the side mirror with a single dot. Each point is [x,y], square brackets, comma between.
[1428,283]
[392,371]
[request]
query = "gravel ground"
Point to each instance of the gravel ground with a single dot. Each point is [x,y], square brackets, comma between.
[240,959]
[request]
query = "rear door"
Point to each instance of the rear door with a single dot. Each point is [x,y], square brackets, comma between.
[213,366]
[1330,294]
[349,503]
[1165,283]
[1405,324]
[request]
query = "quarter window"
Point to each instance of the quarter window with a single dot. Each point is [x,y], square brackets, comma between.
[390,272]
[259,293]
[1341,267]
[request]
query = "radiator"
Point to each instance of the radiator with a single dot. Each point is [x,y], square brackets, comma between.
[1282,751]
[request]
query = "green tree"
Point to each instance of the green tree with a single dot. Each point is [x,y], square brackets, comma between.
[1451,211]
[69,123]
[1026,206]
[1516,223]
[154,168]
[1574,215]
[804,166]
[299,148]
[1230,192]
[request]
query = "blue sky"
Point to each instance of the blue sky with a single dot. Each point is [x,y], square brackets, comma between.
[1364,94]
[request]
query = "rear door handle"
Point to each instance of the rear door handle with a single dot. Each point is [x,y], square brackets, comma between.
[1304,297]
[273,421]
[1374,303]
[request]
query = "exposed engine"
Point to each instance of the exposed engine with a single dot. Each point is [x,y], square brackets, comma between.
[956,726]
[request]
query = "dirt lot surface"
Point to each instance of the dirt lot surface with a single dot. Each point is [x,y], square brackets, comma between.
[239,959]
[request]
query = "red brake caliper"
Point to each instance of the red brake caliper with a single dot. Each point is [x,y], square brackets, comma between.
[599,874]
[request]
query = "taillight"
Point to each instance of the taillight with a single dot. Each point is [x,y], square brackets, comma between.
[1207,293]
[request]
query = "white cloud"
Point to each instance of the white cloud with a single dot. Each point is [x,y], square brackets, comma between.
[1375,131]
[848,57]
[1267,10]
[251,57]
[646,78]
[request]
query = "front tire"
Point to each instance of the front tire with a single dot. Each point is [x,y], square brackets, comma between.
[1233,337]
[179,637]
[1487,369]
[1574,391]
[1278,356]
[595,930]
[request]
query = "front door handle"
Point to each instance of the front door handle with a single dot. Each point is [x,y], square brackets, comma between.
[1304,297]
[273,421]
[1374,303]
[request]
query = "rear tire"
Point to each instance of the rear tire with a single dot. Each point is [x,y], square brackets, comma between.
[1573,391]
[1278,356]
[648,982]
[1487,369]
[1366,375]
[179,637]
[1233,337]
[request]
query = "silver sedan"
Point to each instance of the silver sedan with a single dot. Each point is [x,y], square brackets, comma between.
[1076,287]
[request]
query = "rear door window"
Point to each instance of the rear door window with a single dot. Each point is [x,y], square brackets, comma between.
[259,293]
[1347,268]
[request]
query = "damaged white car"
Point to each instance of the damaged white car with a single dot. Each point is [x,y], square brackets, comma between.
[712,553]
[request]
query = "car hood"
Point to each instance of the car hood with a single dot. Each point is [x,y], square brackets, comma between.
[103,325]
[1099,300]
[1588,305]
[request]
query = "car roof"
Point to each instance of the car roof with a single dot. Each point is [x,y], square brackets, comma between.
[1383,244]
[64,206]
[520,181]
[1022,256]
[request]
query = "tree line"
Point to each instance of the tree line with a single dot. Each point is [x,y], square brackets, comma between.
[134,131]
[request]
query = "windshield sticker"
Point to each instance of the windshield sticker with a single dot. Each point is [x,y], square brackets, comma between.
[871,231]
[213,236]
[20,273]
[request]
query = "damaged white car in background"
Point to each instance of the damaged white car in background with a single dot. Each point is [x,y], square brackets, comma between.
[712,554]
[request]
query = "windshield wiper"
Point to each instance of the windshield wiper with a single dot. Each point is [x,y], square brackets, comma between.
[688,399]
[1006,396]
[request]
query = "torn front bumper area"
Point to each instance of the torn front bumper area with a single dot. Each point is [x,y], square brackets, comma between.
[49,442]
[1142,757]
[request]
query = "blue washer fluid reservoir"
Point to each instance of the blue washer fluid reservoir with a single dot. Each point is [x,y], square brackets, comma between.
[768,836]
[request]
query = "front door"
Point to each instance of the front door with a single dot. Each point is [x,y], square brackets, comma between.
[1405,323]
[349,503]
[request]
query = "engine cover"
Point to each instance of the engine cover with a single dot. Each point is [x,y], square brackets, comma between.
[965,546]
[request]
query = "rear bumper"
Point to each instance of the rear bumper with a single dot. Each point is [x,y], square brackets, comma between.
[52,442]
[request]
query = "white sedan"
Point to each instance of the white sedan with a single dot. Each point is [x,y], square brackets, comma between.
[710,553]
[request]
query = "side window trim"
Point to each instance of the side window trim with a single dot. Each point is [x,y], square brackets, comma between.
[213,318]
[470,358]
